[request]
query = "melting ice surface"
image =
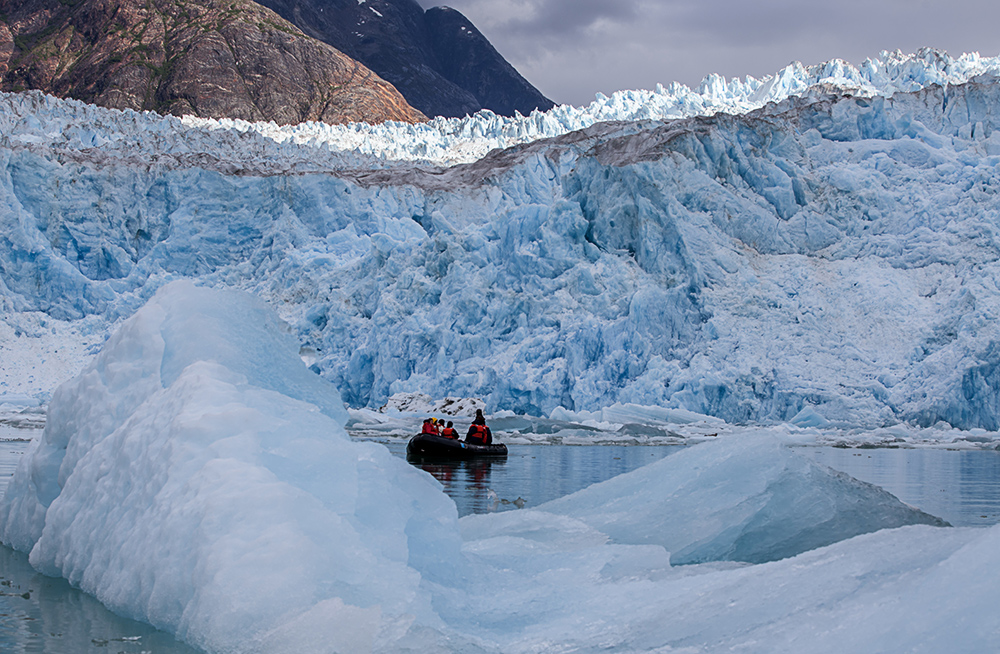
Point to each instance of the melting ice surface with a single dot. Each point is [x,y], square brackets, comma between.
[197,477]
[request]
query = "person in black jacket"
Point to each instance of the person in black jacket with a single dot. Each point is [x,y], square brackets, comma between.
[479,433]
[449,431]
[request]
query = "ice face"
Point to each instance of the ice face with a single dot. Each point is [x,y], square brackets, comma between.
[752,500]
[826,260]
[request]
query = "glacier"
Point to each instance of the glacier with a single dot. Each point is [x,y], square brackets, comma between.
[197,476]
[824,259]
[449,141]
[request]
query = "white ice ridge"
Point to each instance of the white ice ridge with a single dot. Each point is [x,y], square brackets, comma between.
[250,147]
[448,141]
[196,476]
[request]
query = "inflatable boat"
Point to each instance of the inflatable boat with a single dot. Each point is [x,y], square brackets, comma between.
[439,447]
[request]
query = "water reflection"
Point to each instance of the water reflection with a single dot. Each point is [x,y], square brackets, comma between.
[530,474]
[962,487]
[468,482]
[46,615]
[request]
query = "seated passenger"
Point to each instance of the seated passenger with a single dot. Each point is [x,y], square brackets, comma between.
[430,427]
[449,431]
[479,433]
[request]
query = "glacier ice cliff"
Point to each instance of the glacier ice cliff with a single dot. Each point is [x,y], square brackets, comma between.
[833,252]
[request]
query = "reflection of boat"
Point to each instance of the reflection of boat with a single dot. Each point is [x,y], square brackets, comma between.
[433,446]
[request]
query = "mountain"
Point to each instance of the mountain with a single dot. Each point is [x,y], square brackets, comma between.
[826,257]
[210,58]
[437,59]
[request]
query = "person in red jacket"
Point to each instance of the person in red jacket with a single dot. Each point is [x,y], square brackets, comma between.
[430,427]
[449,431]
[479,433]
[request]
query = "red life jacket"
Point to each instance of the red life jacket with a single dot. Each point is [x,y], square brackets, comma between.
[429,428]
[449,432]
[477,434]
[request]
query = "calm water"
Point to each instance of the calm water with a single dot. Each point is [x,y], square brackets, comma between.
[45,615]
[963,487]
[532,474]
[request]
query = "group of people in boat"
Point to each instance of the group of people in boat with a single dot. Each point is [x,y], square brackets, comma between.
[478,434]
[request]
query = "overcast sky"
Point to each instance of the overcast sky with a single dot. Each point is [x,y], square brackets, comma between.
[571,49]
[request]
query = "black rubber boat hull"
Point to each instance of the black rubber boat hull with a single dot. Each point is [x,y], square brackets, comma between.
[439,447]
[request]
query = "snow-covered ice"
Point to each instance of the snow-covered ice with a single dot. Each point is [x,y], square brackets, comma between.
[196,476]
[450,141]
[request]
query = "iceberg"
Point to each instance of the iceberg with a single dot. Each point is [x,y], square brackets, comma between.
[753,500]
[196,476]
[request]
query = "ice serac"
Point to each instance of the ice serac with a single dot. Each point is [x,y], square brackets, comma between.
[749,499]
[197,477]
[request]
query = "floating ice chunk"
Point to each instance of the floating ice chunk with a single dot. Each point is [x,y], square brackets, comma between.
[197,477]
[808,417]
[738,499]
[12,401]
[623,414]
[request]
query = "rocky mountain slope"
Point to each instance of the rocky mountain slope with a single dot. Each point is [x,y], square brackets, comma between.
[437,59]
[210,58]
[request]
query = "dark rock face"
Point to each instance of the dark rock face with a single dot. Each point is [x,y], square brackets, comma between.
[210,58]
[469,60]
[437,59]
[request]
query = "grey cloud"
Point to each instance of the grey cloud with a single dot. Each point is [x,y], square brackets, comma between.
[561,17]
[547,18]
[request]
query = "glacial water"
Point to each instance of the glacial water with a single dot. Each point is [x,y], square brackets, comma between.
[46,615]
[962,487]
